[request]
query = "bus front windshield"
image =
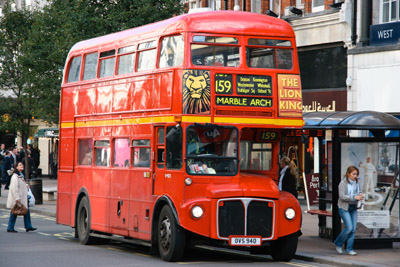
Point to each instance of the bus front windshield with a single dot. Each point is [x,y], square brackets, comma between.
[211,150]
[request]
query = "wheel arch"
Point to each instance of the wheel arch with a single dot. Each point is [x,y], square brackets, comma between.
[160,203]
[82,193]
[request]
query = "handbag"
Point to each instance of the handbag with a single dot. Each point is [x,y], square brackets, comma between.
[31,198]
[19,209]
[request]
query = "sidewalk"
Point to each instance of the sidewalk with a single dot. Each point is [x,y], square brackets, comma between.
[310,247]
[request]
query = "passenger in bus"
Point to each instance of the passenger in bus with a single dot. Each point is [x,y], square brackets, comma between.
[144,158]
[287,180]
[87,159]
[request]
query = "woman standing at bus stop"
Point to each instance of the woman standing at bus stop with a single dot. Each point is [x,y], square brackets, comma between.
[349,194]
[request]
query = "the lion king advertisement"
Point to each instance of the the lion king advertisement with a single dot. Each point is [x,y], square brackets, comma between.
[196,92]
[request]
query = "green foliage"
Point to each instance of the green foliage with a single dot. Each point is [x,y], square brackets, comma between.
[35,43]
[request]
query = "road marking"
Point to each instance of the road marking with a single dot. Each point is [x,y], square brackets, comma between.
[297,264]
[144,255]
[46,234]
[115,249]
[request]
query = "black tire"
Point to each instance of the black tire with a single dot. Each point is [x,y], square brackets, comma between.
[284,249]
[170,236]
[83,223]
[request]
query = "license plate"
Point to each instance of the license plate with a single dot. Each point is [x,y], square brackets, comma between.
[245,241]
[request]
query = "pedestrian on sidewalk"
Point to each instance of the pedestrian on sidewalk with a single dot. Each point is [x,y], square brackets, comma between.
[287,180]
[18,194]
[7,168]
[349,195]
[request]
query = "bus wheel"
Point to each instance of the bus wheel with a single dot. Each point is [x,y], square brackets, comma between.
[83,222]
[284,249]
[171,237]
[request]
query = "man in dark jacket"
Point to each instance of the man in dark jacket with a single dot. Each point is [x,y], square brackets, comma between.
[7,167]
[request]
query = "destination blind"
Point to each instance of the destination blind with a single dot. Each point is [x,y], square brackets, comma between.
[250,85]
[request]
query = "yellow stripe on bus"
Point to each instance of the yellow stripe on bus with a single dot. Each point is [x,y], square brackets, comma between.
[282,122]
[170,119]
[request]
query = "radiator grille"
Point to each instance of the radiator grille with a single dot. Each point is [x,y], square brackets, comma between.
[245,217]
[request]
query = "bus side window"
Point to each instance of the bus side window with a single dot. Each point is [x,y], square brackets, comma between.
[102,153]
[74,69]
[90,69]
[107,63]
[141,153]
[174,147]
[121,152]
[147,57]
[85,152]
[171,51]
[126,59]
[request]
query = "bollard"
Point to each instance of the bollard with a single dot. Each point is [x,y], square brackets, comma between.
[37,190]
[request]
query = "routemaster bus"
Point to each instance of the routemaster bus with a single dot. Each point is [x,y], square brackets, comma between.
[170,135]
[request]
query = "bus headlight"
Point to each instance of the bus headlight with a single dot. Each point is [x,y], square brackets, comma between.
[197,212]
[290,213]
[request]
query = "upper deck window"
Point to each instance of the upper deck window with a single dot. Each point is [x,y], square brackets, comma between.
[223,51]
[74,69]
[126,59]
[147,57]
[215,39]
[90,68]
[172,51]
[107,63]
[269,54]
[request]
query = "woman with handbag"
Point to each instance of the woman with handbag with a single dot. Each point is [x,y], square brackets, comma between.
[17,196]
[349,195]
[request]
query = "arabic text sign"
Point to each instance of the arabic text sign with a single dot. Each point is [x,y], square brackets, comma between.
[374,219]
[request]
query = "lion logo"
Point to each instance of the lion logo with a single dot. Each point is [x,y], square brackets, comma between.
[196,91]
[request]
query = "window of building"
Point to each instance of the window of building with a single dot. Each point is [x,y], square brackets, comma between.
[126,59]
[318,5]
[141,153]
[121,152]
[329,71]
[74,69]
[172,51]
[90,68]
[102,152]
[107,63]
[85,147]
[147,57]
[390,10]
[256,6]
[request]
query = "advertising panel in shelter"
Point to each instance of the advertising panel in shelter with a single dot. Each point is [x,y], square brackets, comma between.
[379,180]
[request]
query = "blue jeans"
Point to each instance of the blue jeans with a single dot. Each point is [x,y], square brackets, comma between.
[349,218]
[13,219]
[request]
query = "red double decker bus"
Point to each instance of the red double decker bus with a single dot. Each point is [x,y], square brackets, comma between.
[170,133]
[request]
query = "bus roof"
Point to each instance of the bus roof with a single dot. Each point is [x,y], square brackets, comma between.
[223,22]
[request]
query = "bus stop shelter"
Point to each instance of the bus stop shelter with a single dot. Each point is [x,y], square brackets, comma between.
[370,141]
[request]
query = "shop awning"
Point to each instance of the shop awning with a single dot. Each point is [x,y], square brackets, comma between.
[47,132]
[360,120]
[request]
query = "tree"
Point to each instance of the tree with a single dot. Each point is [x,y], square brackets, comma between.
[35,43]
